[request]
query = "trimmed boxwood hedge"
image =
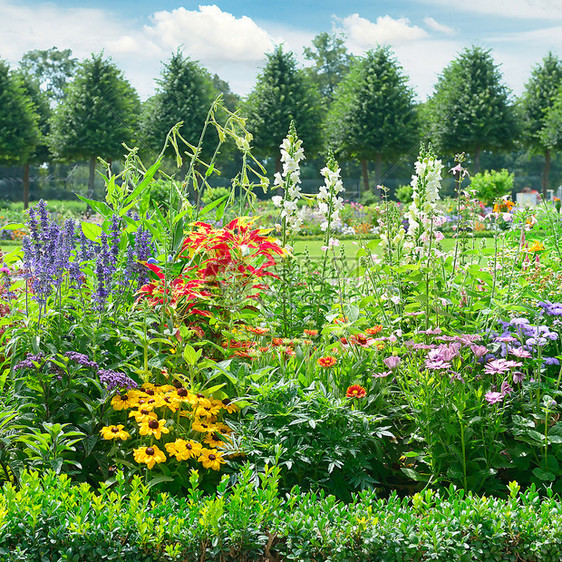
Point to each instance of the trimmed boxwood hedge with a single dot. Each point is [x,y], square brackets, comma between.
[49,518]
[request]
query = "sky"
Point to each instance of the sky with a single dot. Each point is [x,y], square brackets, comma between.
[231,37]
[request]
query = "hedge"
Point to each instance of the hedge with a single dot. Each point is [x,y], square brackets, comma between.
[48,518]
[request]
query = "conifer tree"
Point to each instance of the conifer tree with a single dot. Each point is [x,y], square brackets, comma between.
[373,115]
[283,94]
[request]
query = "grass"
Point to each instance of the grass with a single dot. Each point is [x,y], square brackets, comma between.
[350,247]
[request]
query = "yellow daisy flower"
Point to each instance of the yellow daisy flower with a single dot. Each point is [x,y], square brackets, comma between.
[143,415]
[211,458]
[125,400]
[229,406]
[149,455]
[114,432]
[184,450]
[153,427]
[203,426]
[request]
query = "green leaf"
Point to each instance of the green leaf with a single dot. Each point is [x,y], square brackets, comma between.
[91,231]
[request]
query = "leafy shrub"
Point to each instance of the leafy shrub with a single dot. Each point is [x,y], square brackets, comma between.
[319,441]
[492,185]
[50,519]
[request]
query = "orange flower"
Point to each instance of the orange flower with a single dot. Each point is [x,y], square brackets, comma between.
[311,332]
[374,330]
[356,391]
[259,331]
[328,361]
[536,246]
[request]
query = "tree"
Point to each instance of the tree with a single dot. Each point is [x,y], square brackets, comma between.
[98,115]
[331,63]
[52,68]
[40,154]
[470,109]
[373,115]
[19,131]
[283,94]
[537,103]
[184,93]
[230,99]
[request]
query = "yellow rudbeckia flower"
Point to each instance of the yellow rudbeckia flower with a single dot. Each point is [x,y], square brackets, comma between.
[184,450]
[211,458]
[114,432]
[149,455]
[153,427]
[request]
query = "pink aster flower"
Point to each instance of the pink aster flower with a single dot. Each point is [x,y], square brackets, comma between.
[493,397]
[392,362]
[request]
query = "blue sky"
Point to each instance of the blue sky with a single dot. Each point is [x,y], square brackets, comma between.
[231,37]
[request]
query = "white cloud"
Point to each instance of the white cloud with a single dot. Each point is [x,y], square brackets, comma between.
[438,27]
[209,34]
[532,9]
[386,30]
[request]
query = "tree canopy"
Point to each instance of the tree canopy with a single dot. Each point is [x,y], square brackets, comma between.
[538,102]
[373,115]
[99,114]
[184,93]
[283,94]
[331,63]
[52,69]
[470,109]
[19,131]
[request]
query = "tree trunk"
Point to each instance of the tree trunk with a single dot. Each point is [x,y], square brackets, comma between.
[365,176]
[26,186]
[92,177]
[378,168]
[545,172]
[476,159]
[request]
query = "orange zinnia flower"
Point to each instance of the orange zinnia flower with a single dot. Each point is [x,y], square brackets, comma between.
[327,362]
[356,391]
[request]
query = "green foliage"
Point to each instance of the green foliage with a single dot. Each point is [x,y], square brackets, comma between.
[19,131]
[48,518]
[404,193]
[98,114]
[470,109]
[331,63]
[283,94]
[538,99]
[51,68]
[492,185]
[551,133]
[373,110]
[318,441]
[184,93]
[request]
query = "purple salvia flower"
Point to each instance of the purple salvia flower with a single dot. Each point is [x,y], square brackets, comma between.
[115,237]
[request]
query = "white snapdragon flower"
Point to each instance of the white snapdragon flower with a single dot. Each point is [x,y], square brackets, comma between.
[329,204]
[289,180]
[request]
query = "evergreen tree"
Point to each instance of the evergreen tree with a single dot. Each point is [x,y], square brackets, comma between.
[19,130]
[537,103]
[470,109]
[283,94]
[331,63]
[184,93]
[99,114]
[373,115]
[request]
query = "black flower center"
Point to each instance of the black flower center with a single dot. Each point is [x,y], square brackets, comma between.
[149,451]
[153,424]
[212,457]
